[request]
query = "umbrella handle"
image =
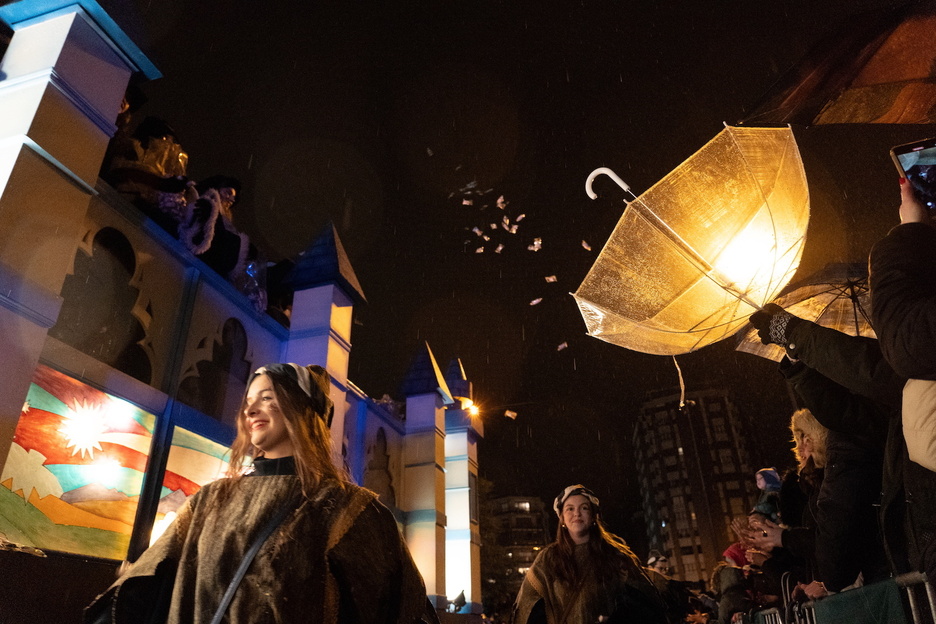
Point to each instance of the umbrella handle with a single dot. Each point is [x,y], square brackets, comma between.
[597,172]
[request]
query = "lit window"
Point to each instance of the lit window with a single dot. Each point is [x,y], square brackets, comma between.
[524,506]
[522,570]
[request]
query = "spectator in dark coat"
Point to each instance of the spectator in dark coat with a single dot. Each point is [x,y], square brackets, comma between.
[903,287]
[908,491]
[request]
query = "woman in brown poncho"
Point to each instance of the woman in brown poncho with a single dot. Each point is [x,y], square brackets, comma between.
[588,574]
[336,557]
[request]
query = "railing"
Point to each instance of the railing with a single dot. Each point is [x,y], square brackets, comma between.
[905,598]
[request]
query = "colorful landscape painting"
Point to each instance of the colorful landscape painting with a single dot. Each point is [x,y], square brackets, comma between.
[73,478]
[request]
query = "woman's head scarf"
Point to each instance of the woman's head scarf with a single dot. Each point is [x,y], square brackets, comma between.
[572,490]
[313,381]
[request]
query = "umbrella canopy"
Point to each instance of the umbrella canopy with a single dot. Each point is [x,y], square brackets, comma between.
[836,297]
[879,68]
[703,248]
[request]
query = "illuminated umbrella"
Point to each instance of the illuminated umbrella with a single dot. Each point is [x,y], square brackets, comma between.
[837,297]
[694,256]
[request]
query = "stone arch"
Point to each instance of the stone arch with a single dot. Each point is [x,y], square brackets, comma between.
[207,387]
[97,312]
[377,476]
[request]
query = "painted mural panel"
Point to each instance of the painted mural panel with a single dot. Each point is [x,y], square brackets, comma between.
[75,469]
[194,461]
[73,478]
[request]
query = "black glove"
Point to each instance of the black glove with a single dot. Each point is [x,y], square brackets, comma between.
[774,324]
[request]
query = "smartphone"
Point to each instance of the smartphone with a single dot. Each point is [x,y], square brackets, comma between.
[917,163]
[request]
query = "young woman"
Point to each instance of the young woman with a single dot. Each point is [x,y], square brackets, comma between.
[588,574]
[337,555]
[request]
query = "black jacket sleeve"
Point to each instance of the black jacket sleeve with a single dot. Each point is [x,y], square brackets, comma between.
[902,275]
[853,362]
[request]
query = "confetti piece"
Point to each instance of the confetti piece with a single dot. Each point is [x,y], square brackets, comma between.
[470,185]
[493,226]
[586,245]
[537,244]
[506,222]
[550,278]
[501,202]
[479,250]
[536,301]
[429,151]
[477,230]
[513,229]
[467,202]
[486,237]
[520,217]
[499,248]
[512,415]
[562,346]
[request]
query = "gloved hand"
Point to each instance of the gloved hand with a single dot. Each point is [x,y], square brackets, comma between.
[774,324]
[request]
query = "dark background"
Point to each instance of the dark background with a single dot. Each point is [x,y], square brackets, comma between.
[381,117]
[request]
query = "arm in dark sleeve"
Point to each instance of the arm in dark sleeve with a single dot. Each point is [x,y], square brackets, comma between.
[854,362]
[903,289]
[833,405]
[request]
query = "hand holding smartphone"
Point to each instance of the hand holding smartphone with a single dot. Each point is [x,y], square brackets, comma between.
[917,163]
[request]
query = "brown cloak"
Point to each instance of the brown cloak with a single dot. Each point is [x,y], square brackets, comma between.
[339,558]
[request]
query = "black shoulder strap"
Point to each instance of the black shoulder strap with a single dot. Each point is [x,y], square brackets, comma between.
[274,521]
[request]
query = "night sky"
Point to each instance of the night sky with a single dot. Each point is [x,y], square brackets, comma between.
[383,117]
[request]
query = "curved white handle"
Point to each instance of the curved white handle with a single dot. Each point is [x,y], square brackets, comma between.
[597,172]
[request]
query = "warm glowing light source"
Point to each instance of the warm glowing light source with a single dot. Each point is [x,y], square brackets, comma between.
[82,427]
[118,414]
[474,411]
[747,260]
[106,471]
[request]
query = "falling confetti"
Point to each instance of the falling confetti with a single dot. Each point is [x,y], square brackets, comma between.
[564,345]
[467,202]
[479,250]
[513,228]
[429,152]
[502,203]
[520,217]
[506,222]
[499,248]
[493,226]
[537,244]
[550,278]
[586,246]
[536,301]
[486,237]
[477,230]
[512,415]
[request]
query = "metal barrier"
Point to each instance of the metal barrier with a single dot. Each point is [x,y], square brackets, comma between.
[906,598]
[911,583]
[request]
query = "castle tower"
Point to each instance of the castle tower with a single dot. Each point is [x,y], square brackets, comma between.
[463,429]
[427,395]
[326,290]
